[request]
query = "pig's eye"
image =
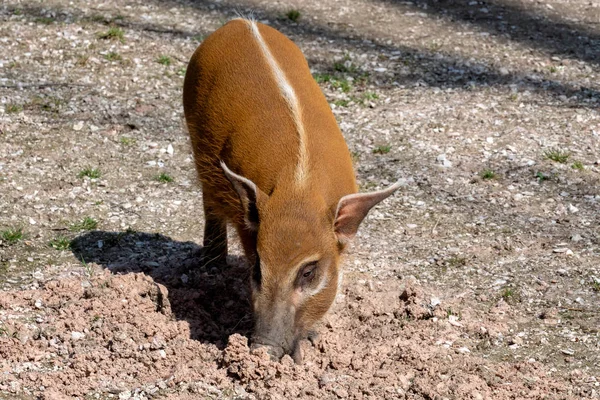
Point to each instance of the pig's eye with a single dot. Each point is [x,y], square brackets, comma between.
[307,274]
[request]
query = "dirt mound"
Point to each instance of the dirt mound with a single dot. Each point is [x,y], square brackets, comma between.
[116,334]
[108,334]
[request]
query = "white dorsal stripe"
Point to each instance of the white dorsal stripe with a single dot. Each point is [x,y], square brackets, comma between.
[290,98]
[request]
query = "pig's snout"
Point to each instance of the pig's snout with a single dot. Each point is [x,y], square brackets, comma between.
[274,350]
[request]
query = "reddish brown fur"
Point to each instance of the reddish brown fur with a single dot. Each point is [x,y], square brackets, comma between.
[236,113]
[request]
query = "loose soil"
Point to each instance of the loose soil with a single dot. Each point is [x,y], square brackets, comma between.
[479,279]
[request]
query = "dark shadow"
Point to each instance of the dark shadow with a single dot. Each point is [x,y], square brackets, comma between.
[550,33]
[418,67]
[44,15]
[214,301]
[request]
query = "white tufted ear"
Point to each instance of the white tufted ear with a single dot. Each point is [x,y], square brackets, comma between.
[249,194]
[353,208]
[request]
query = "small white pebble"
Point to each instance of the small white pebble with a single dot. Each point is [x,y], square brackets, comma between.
[125,395]
[453,320]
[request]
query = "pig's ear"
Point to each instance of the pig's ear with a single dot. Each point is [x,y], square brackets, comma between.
[353,208]
[250,196]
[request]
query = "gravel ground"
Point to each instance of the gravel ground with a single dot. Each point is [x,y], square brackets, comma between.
[479,279]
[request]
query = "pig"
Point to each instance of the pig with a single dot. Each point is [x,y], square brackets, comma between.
[273,163]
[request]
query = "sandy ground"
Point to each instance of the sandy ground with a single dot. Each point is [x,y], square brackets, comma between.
[479,279]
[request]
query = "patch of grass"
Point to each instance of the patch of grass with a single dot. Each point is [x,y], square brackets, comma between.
[370,96]
[340,67]
[450,312]
[322,78]
[342,103]
[541,177]
[596,286]
[92,173]
[382,149]
[60,243]
[164,178]
[577,165]
[45,20]
[510,295]
[337,83]
[513,97]
[199,38]
[99,19]
[113,33]
[47,103]
[181,71]
[89,270]
[82,60]
[12,235]
[345,67]
[457,261]
[488,174]
[13,108]
[293,15]
[113,56]
[86,224]
[557,155]
[343,84]
[553,69]
[164,60]
[355,156]
[507,293]
[127,141]
[52,104]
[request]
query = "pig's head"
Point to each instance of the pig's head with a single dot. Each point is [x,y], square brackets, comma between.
[296,271]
